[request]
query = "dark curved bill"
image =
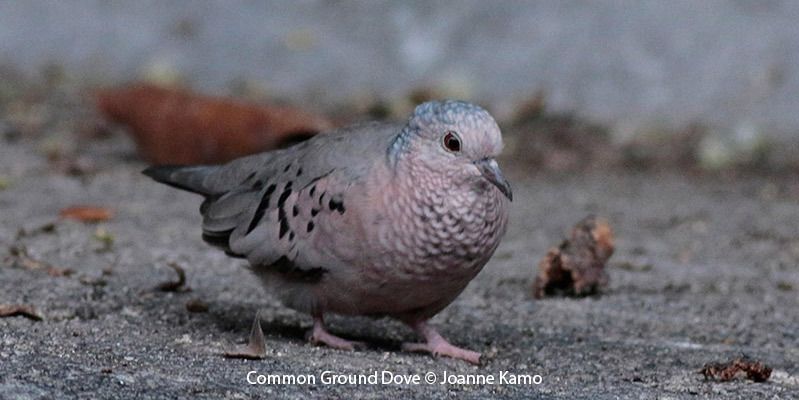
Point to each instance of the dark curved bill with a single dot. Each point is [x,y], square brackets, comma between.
[490,170]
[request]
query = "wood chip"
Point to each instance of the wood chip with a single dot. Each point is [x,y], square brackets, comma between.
[13,310]
[255,348]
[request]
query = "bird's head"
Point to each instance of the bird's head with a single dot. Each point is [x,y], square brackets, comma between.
[454,137]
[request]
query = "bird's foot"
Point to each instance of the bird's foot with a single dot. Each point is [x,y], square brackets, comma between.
[438,346]
[320,336]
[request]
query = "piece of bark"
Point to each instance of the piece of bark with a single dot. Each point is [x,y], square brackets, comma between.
[577,266]
[13,310]
[255,349]
[740,367]
[87,213]
[172,126]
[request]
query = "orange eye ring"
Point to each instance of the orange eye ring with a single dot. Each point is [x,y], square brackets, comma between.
[452,142]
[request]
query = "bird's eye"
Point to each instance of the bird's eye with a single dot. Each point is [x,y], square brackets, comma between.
[452,142]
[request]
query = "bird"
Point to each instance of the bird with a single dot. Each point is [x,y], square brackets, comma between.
[377,219]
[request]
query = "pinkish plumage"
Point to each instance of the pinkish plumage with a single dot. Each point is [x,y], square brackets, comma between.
[375,219]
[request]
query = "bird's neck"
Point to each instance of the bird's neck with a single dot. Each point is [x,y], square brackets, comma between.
[399,146]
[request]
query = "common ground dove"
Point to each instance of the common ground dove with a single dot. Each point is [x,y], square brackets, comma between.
[374,219]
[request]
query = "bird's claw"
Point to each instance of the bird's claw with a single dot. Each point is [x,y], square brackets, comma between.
[443,348]
[319,336]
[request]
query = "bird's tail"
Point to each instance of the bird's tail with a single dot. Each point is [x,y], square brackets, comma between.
[189,178]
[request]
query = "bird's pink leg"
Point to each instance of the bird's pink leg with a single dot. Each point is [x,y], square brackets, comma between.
[437,345]
[319,335]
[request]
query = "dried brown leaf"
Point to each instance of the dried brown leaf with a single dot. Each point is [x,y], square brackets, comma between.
[13,310]
[577,265]
[740,367]
[173,126]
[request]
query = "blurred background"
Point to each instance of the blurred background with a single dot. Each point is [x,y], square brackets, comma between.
[698,84]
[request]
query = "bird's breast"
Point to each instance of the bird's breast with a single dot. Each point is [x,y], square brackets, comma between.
[439,230]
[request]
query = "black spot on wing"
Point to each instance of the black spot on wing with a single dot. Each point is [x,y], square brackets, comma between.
[310,226]
[262,206]
[281,213]
[284,223]
[336,204]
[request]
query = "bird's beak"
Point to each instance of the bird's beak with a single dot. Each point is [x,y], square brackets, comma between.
[490,170]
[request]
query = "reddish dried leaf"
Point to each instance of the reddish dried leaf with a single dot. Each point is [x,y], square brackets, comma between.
[178,127]
[12,310]
[577,265]
[724,372]
[87,213]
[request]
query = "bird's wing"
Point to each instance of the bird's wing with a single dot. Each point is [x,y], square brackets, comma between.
[276,209]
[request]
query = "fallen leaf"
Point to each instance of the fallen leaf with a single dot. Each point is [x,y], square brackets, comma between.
[13,310]
[256,346]
[577,265]
[87,213]
[176,286]
[724,372]
[172,126]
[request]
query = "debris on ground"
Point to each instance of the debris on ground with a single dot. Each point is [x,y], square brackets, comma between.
[175,286]
[740,367]
[19,257]
[13,310]
[105,238]
[577,266]
[59,272]
[173,126]
[84,213]
[255,349]
[196,306]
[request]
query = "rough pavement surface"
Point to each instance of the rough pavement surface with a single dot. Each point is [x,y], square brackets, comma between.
[705,270]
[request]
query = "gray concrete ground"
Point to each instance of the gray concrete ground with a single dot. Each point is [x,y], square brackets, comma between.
[705,270]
